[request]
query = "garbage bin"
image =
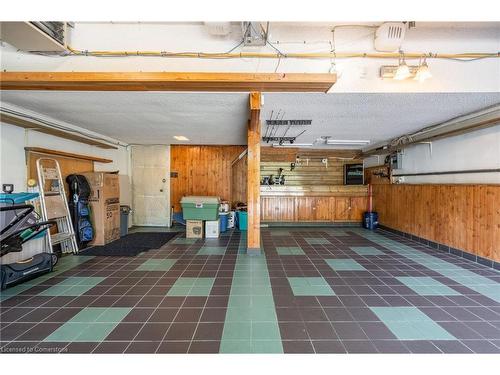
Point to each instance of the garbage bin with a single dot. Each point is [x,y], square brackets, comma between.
[370,220]
[124,212]
[223,216]
[242,220]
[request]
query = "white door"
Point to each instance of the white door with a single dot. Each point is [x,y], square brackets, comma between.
[151,185]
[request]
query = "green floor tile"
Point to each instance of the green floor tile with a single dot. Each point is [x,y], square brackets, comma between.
[235,346]
[88,315]
[409,323]
[237,330]
[478,283]
[113,315]
[192,286]
[427,286]
[344,265]
[292,250]
[68,332]
[72,286]
[251,311]
[317,241]
[265,331]
[366,250]
[267,347]
[92,324]
[156,265]
[212,250]
[262,301]
[310,286]
[95,332]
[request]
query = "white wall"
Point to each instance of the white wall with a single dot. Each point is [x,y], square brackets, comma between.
[356,75]
[476,150]
[12,157]
[13,160]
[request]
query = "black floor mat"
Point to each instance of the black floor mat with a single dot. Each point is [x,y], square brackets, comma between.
[131,245]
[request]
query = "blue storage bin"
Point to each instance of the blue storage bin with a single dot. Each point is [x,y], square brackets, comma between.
[370,220]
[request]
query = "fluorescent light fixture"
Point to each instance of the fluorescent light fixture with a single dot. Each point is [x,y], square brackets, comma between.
[354,142]
[423,72]
[181,138]
[293,145]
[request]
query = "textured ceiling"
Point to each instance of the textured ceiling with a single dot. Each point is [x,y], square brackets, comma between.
[221,118]
[373,117]
[144,117]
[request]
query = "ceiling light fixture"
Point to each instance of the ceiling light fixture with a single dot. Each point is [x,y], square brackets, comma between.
[423,72]
[181,138]
[350,142]
[403,71]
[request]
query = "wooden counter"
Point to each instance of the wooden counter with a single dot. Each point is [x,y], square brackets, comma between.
[314,203]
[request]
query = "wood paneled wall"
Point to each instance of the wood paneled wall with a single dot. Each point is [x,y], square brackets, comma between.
[378,175]
[466,217]
[310,171]
[239,180]
[312,209]
[201,170]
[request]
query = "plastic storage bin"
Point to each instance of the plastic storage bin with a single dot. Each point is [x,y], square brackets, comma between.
[200,208]
[242,220]
[370,220]
[223,217]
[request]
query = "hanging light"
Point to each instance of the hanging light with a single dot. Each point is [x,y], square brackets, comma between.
[423,72]
[403,71]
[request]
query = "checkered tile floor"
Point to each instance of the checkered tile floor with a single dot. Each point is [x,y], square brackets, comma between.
[314,290]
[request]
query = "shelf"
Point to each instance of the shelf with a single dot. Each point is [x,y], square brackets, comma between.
[47,151]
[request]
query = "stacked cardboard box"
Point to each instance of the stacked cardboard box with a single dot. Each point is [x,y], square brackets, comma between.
[105,206]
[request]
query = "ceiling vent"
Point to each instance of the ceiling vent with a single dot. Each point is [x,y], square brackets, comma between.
[218,28]
[389,36]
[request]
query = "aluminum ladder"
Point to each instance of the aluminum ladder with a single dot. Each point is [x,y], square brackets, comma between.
[54,205]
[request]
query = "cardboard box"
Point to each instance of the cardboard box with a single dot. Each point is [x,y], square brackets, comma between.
[194,228]
[105,206]
[212,228]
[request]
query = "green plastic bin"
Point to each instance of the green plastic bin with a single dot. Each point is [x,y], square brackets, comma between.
[242,220]
[200,208]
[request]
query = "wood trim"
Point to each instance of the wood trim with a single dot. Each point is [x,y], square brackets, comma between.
[12,120]
[40,150]
[167,81]
[253,173]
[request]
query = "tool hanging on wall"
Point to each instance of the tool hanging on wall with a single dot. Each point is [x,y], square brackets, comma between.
[278,129]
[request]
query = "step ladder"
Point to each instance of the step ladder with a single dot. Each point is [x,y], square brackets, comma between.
[54,204]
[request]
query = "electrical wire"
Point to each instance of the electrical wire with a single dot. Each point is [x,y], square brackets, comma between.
[463,57]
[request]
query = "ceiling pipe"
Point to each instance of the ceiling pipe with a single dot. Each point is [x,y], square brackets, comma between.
[460,125]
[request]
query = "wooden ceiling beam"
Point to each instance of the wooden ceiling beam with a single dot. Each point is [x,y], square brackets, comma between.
[167,81]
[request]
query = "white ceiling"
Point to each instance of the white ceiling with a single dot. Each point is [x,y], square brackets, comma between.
[374,117]
[221,118]
[144,117]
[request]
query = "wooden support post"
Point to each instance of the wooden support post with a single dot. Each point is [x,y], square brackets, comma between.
[253,179]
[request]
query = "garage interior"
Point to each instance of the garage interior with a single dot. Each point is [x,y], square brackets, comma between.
[356,174]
